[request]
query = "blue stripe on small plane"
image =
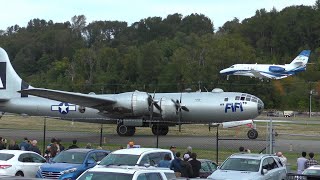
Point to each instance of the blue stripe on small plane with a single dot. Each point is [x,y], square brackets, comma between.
[305,53]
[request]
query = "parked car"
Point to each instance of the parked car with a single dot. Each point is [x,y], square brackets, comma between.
[136,156]
[273,114]
[20,163]
[127,173]
[71,163]
[250,166]
[312,170]
[207,167]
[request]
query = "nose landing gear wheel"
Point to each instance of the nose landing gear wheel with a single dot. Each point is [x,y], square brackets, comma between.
[124,130]
[163,130]
[252,134]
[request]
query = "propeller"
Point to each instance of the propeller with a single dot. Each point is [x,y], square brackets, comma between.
[179,107]
[153,103]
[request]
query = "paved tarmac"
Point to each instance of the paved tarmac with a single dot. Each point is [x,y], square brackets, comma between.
[202,142]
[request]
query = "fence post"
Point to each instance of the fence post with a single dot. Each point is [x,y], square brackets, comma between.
[217,144]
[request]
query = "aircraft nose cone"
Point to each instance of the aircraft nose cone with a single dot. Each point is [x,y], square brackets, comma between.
[222,71]
[260,106]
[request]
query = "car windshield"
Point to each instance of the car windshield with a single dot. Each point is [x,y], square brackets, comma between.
[105,175]
[240,164]
[70,157]
[5,156]
[311,172]
[120,159]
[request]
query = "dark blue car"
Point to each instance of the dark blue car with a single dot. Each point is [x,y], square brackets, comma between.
[69,164]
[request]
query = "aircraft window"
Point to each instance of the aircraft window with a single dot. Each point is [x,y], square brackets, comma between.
[225,99]
[242,98]
[248,96]
[248,99]
[254,100]
[232,67]
[237,97]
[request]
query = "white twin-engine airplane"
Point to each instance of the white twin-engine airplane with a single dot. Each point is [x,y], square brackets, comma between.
[269,71]
[129,109]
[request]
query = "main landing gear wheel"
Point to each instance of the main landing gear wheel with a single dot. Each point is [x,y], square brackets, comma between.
[124,130]
[163,130]
[252,134]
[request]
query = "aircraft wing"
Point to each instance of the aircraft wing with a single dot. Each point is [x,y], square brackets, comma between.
[258,74]
[85,100]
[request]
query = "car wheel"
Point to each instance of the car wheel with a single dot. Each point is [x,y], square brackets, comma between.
[19,174]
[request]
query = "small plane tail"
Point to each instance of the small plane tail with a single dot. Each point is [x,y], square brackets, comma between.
[10,82]
[301,59]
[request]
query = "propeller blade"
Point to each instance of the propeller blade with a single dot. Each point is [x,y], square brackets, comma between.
[157,106]
[185,108]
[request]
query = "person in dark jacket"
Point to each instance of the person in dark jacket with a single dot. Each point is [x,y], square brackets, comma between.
[24,145]
[196,165]
[74,144]
[34,147]
[186,168]
[176,164]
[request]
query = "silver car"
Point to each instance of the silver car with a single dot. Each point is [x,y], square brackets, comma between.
[250,167]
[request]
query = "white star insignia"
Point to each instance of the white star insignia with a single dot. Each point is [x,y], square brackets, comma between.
[63,108]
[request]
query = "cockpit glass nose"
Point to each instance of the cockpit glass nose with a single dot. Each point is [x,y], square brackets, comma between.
[260,106]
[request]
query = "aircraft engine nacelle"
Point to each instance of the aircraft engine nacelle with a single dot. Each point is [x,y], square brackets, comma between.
[168,110]
[132,103]
[276,69]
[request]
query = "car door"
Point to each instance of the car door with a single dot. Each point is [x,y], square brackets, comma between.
[265,165]
[30,163]
[270,164]
[154,158]
[150,176]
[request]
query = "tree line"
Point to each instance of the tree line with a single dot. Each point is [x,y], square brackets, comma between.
[170,54]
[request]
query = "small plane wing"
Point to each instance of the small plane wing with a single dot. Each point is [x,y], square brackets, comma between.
[85,100]
[258,74]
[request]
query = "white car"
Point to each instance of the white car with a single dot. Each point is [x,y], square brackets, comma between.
[20,163]
[250,167]
[312,170]
[136,156]
[127,173]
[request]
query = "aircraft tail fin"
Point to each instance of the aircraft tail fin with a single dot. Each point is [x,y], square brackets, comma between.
[301,59]
[10,82]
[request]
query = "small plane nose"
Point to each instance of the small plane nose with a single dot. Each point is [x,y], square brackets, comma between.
[223,71]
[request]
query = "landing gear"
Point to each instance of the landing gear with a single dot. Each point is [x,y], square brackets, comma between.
[163,130]
[252,134]
[124,130]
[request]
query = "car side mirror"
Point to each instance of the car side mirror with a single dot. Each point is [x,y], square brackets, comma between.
[264,171]
[91,161]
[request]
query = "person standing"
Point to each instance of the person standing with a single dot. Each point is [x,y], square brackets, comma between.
[282,158]
[61,147]
[311,161]
[24,145]
[34,147]
[301,162]
[173,149]
[2,145]
[13,145]
[74,144]
[186,168]
[166,162]
[196,165]
[176,165]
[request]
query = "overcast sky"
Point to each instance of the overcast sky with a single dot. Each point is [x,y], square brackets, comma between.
[219,11]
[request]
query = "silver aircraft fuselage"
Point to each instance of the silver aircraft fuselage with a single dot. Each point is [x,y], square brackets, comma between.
[204,107]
